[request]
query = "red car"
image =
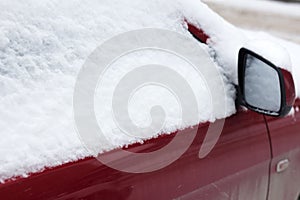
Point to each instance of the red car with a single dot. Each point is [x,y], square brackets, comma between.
[256,157]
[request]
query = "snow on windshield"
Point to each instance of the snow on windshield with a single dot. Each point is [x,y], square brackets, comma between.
[43,44]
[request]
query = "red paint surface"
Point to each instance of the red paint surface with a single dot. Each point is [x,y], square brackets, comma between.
[198,33]
[285,137]
[239,162]
[289,87]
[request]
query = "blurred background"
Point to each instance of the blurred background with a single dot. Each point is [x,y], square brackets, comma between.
[280,18]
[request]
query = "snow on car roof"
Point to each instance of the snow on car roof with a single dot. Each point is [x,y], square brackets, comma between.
[43,44]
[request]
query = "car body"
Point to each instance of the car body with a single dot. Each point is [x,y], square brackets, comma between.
[256,157]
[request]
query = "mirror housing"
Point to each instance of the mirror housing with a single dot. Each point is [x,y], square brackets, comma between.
[264,87]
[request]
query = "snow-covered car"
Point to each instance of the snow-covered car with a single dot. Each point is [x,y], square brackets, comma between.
[242,143]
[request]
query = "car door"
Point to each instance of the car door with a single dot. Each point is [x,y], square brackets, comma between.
[285,137]
[236,168]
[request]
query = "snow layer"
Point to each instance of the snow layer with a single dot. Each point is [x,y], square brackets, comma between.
[264,6]
[283,53]
[43,44]
[226,41]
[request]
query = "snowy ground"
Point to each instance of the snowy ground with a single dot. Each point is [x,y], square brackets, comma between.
[277,18]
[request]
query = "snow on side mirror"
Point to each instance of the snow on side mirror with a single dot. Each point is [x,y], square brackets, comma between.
[264,87]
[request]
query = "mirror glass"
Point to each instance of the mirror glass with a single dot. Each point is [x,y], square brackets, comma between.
[261,85]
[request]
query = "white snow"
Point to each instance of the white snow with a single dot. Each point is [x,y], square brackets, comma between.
[281,52]
[263,6]
[226,40]
[43,44]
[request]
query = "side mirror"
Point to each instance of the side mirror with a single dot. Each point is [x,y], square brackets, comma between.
[264,87]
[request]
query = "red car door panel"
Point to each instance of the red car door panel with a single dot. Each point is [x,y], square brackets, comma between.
[238,164]
[285,139]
